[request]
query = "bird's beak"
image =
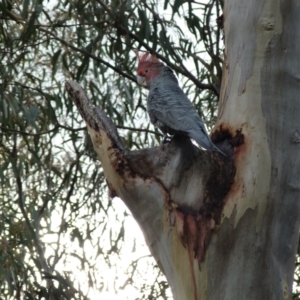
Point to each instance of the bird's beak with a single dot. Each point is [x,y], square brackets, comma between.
[141,80]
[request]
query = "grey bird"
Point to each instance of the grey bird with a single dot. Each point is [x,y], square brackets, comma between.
[168,107]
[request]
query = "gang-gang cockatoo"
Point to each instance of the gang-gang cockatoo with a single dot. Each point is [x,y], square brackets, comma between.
[168,107]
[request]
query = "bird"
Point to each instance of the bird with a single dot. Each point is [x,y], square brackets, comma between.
[168,107]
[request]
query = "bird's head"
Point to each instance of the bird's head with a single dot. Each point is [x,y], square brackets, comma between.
[149,67]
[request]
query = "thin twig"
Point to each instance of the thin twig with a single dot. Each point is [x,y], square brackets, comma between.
[28,133]
[178,59]
[176,68]
[33,234]
[138,129]
[87,53]
[74,130]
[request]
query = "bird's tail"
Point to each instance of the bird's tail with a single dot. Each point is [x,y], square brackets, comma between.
[218,150]
[203,140]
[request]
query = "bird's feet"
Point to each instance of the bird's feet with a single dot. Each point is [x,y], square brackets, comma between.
[165,140]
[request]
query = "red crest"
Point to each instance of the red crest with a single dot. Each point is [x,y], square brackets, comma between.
[146,57]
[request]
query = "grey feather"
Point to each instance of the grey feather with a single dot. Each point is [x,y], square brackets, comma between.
[172,112]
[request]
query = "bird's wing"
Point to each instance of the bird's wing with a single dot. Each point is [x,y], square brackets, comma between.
[172,107]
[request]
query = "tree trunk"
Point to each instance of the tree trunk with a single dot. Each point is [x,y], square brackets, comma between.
[252,255]
[223,228]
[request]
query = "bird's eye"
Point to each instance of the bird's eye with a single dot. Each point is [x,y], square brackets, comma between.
[146,71]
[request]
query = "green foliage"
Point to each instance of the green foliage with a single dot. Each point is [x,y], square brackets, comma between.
[60,232]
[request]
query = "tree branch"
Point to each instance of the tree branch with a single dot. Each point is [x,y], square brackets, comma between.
[87,53]
[56,127]
[38,248]
[181,70]
[175,186]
